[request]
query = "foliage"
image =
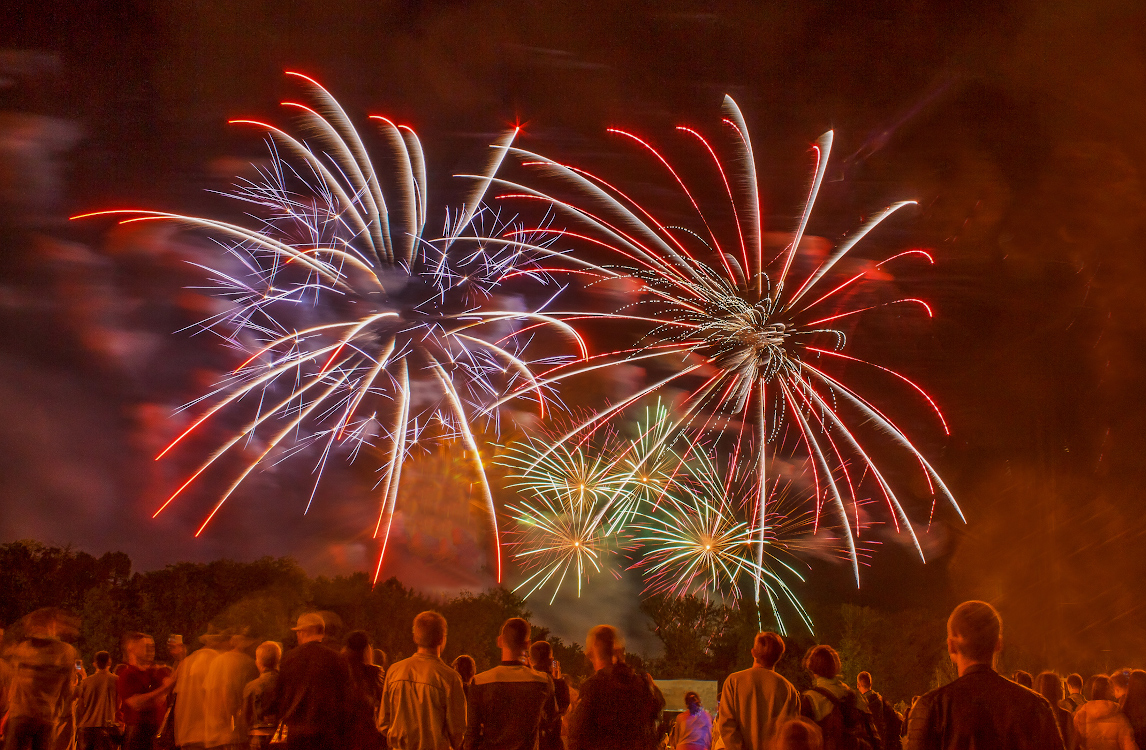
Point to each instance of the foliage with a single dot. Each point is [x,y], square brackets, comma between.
[701,639]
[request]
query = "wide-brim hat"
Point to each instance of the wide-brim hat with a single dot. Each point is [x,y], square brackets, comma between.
[214,636]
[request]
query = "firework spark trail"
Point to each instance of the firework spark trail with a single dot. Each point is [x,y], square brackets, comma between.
[659,503]
[347,306]
[751,326]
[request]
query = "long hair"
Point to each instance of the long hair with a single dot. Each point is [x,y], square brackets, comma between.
[1134,702]
[1049,686]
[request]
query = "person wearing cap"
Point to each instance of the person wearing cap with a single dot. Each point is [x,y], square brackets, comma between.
[190,678]
[223,705]
[311,695]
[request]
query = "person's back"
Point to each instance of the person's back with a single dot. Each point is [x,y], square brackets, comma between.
[41,679]
[617,708]
[541,659]
[757,701]
[423,703]
[981,709]
[841,714]
[1134,706]
[507,703]
[42,682]
[506,706]
[228,674]
[311,693]
[887,721]
[1100,724]
[95,706]
[366,686]
[258,711]
[190,677]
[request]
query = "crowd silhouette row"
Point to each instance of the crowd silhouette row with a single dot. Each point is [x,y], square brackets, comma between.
[317,697]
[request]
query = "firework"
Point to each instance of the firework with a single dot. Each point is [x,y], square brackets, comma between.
[678,518]
[757,330]
[358,330]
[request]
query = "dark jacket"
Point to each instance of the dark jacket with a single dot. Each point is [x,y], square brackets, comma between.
[886,720]
[617,710]
[258,699]
[311,695]
[507,706]
[982,711]
[550,735]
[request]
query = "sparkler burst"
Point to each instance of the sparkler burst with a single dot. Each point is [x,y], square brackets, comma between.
[360,331]
[759,332]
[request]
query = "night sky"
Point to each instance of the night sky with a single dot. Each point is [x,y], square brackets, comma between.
[1020,127]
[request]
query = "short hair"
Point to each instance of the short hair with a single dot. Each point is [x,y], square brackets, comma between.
[102,660]
[691,698]
[822,661]
[268,653]
[466,668]
[381,659]
[1049,686]
[767,648]
[1074,681]
[1100,688]
[515,634]
[1120,679]
[1024,678]
[801,734]
[541,654]
[605,641]
[974,631]
[863,678]
[429,629]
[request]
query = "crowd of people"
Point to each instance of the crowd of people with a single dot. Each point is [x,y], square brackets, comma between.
[316,697]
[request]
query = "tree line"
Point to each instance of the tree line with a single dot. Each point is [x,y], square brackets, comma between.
[700,639]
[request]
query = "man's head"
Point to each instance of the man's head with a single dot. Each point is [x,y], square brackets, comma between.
[102,660]
[974,633]
[513,640]
[309,628]
[267,656]
[604,645]
[175,647]
[541,656]
[863,681]
[822,661]
[1074,683]
[52,622]
[767,649]
[430,631]
[139,649]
